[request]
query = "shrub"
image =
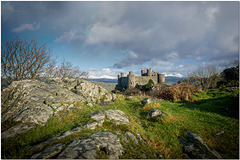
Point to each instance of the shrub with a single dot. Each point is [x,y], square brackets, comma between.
[132,91]
[178,92]
[149,85]
[232,83]
[155,90]
[116,91]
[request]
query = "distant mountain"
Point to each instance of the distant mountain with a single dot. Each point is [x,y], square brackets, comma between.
[169,79]
[172,79]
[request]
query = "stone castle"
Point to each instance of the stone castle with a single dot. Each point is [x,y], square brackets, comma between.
[132,81]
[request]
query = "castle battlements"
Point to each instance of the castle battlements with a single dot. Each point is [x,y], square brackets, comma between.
[131,81]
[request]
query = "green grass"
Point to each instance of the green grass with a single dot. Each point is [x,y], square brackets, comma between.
[205,116]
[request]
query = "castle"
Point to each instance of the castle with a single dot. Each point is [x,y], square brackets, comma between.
[132,81]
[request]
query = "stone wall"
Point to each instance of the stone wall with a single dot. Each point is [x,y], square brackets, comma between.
[124,82]
[142,80]
[131,81]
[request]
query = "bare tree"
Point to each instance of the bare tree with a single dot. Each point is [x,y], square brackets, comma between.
[23,59]
[50,69]
[65,70]
[205,77]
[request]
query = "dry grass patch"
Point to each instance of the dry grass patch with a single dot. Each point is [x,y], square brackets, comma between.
[152,105]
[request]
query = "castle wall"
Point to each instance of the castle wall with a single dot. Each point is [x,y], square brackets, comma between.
[161,78]
[142,80]
[124,81]
[132,81]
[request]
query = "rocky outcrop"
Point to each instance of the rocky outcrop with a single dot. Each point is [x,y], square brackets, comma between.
[92,92]
[146,101]
[107,144]
[116,116]
[156,113]
[34,101]
[195,148]
[110,144]
[63,135]
[49,152]
[17,129]
[149,101]
[88,148]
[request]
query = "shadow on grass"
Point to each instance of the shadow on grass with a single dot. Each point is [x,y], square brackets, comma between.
[226,106]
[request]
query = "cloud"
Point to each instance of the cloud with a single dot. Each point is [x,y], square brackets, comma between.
[112,73]
[101,33]
[7,10]
[174,75]
[22,27]
[69,37]
[151,34]
[105,73]
[132,54]
[165,31]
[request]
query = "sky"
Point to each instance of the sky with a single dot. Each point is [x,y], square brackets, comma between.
[107,38]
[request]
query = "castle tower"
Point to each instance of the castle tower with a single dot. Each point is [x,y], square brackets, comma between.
[161,78]
[122,74]
[119,80]
[149,72]
[142,72]
[131,80]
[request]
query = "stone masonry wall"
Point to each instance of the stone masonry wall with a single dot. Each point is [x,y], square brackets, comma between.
[124,81]
[142,80]
[132,81]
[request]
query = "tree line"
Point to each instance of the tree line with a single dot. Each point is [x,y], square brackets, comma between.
[208,77]
[23,59]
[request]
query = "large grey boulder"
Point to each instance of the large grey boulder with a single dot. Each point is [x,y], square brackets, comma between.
[17,129]
[150,100]
[63,135]
[98,116]
[49,152]
[195,148]
[97,145]
[132,137]
[88,148]
[116,116]
[92,92]
[156,113]
[35,101]
[146,101]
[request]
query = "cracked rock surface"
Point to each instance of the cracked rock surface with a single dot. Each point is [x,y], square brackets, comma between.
[107,143]
[35,101]
[63,135]
[156,113]
[116,116]
[87,148]
[49,152]
[195,148]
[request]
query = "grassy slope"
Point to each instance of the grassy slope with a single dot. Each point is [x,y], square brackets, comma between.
[204,117]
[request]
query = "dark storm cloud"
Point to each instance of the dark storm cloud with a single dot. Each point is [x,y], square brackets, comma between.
[160,33]
[156,29]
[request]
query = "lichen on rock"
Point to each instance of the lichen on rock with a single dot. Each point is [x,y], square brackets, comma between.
[116,116]
[88,148]
[36,101]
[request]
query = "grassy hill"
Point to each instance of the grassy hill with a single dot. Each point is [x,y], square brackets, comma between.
[211,112]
